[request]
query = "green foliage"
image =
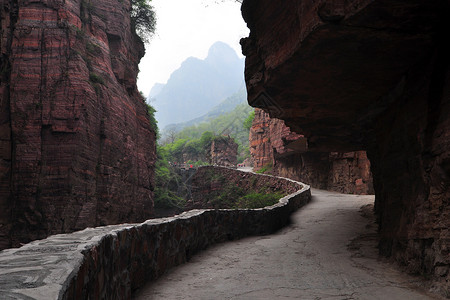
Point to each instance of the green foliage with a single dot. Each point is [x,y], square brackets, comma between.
[167,181]
[175,150]
[235,197]
[95,78]
[199,163]
[206,138]
[249,121]
[230,123]
[93,48]
[267,168]
[244,154]
[151,116]
[227,197]
[258,200]
[192,148]
[143,18]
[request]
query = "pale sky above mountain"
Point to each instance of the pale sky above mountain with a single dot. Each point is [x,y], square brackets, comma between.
[188,28]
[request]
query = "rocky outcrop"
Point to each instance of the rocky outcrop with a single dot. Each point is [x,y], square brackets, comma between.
[77,148]
[224,151]
[273,144]
[374,76]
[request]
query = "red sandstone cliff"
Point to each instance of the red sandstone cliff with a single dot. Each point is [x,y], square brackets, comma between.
[367,75]
[76,146]
[224,152]
[273,143]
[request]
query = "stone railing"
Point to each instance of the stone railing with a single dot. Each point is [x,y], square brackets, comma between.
[111,262]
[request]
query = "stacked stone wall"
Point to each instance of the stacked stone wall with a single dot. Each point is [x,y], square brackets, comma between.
[111,262]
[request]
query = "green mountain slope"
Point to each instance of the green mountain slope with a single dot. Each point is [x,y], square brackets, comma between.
[198,86]
[223,107]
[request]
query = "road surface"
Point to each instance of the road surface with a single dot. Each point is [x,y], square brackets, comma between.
[328,252]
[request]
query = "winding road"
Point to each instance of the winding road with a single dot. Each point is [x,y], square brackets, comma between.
[328,252]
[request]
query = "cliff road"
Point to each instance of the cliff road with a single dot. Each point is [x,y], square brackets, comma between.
[328,252]
[352,96]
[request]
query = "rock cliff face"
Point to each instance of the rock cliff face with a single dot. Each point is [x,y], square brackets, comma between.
[273,144]
[76,146]
[224,152]
[367,75]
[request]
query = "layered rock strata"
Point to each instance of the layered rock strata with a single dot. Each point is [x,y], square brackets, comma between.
[76,146]
[224,151]
[374,76]
[274,145]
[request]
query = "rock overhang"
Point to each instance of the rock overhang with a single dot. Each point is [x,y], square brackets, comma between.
[337,67]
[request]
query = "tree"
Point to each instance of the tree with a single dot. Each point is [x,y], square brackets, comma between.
[171,135]
[143,18]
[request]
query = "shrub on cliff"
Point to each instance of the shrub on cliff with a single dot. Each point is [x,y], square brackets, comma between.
[143,18]
[151,116]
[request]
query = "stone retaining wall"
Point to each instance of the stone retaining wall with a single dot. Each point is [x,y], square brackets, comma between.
[207,184]
[111,262]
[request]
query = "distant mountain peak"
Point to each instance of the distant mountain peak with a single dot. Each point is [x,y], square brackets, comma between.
[198,85]
[220,50]
[156,89]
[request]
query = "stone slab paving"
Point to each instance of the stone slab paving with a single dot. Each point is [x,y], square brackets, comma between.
[328,252]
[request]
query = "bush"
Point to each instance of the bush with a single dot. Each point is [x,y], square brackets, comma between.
[143,18]
[258,200]
[267,168]
[167,181]
[96,78]
[151,116]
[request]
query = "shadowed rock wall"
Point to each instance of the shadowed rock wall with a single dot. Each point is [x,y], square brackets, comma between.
[273,143]
[374,76]
[111,262]
[76,146]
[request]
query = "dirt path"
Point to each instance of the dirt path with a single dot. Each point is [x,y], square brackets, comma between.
[327,253]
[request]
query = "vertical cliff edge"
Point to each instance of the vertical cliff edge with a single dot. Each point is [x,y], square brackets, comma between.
[367,76]
[76,145]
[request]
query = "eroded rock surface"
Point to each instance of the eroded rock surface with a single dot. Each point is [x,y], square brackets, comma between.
[224,151]
[367,75]
[273,144]
[76,146]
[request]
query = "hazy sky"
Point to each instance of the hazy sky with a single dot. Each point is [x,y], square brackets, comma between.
[188,28]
